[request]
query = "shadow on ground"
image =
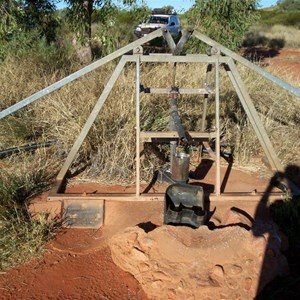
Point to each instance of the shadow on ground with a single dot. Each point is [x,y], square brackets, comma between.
[286,214]
[257,47]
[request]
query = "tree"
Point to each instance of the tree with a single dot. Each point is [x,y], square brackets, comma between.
[9,16]
[168,9]
[40,15]
[25,15]
[225,21]
[81,15]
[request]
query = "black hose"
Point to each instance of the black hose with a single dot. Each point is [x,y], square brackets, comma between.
[29,147]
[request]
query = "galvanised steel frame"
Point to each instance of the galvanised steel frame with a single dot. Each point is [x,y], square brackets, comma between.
[216,59]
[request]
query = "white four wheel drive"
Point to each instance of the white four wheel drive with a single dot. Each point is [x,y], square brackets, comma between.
[159,19]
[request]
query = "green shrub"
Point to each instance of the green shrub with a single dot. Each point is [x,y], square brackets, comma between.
[289,18]
[272,36]
[224,21]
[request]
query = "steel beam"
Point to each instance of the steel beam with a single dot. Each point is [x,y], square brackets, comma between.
[247,63]
[189,58]
[252,114]
[123,197]
[184,38]
[182,91]
[207,86]
[137,116]
[169,39]
[86,128]
[240,197]
[156,197]
[210,152]
[204,113]
[148,136]
[217,144]
[81,72]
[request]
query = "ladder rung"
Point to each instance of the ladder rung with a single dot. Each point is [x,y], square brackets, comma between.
[159,136]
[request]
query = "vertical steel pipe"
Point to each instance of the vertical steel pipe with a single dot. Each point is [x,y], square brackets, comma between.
[217,150]
[137,116]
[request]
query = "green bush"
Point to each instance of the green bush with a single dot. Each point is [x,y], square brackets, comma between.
[289,18]
[224,21]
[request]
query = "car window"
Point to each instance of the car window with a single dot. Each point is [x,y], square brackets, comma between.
[159,20]
[147,20]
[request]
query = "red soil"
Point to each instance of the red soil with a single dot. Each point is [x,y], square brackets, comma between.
[63,274]
[287,62]
[284,62]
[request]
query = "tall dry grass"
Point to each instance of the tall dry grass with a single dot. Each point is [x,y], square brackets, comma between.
[109,150]
[22,177]
[278,111]
[28,174]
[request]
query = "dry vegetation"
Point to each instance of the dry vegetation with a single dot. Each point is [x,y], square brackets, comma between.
[23,177]
[110,147]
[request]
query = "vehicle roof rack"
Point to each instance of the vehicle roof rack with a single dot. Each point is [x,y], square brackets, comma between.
[163,11]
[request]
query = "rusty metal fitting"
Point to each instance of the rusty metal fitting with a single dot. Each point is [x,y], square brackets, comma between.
[174,92]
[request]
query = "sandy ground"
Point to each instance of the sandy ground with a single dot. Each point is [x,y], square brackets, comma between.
[71,274]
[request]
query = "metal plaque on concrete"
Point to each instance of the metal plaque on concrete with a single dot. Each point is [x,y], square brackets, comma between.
[83,213]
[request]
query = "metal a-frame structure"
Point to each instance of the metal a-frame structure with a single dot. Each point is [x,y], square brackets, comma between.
[218,56]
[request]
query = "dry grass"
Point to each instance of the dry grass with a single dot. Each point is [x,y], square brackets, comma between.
[279,112]
[21,178]
[110,147]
